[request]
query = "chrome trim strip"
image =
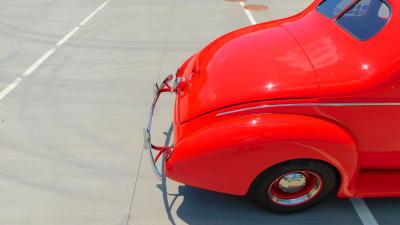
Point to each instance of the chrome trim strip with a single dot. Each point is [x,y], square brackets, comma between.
[338,104]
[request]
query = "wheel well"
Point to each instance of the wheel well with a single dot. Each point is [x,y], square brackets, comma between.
[294,162]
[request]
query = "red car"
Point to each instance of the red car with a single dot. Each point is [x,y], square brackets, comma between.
[292,110]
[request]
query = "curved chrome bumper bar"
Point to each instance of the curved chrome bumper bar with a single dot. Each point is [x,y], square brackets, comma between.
[155,152]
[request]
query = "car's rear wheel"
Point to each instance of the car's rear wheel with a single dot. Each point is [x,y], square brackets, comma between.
[293,186]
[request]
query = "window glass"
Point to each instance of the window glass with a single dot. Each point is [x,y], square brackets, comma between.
[331,8]
[384,12]
[365,19]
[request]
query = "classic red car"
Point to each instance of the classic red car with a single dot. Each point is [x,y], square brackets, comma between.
[292,110]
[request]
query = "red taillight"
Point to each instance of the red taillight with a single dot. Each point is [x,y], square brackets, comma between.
[179,84]
[185,73]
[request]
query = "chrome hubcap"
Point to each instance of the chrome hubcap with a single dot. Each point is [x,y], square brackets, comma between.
[295,188]
[292,182]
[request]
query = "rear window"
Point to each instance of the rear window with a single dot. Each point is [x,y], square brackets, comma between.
[362,18]
[330,8]
[365,19]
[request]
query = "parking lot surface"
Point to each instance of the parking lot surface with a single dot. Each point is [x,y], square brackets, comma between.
[75,88]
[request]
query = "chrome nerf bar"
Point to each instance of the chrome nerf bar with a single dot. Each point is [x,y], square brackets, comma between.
[155,152]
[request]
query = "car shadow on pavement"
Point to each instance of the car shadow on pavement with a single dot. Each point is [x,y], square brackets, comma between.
[204,207]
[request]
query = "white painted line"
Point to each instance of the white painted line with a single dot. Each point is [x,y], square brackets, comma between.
[10,87]
[94,13]
[248,13]
[39,62]
[68,36]
[50,52]
[363,211]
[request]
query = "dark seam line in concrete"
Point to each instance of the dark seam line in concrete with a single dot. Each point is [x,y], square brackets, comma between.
[166,40]
[131,209]
[134,188]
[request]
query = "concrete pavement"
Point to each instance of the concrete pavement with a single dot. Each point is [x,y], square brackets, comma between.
[71,138]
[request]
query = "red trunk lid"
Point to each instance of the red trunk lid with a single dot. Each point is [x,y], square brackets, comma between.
[251,64]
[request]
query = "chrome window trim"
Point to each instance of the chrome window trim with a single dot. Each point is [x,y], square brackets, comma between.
[337,104]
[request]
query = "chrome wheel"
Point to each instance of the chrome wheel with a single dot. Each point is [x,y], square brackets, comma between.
[295,188]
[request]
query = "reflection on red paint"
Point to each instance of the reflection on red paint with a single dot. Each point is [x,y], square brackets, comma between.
[256,7]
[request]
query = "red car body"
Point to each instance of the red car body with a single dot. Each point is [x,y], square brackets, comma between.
[296,88]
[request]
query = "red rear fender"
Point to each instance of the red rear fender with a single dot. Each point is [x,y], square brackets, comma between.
[227,155]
